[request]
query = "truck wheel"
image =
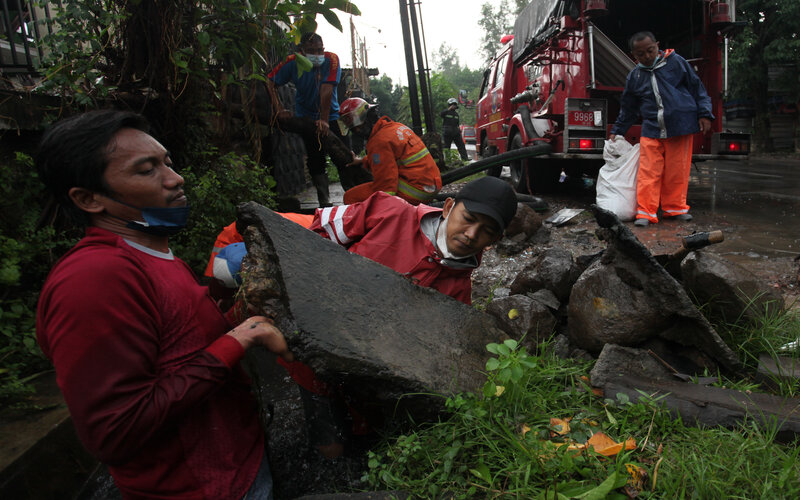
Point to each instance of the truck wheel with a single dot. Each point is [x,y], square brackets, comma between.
[519,168]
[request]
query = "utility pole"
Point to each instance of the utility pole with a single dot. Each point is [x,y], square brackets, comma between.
[421,69]
[413,96]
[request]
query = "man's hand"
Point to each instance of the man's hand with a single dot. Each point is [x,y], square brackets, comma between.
[323,127]
[259,330]
[705,125]
[283,114]
[357,161]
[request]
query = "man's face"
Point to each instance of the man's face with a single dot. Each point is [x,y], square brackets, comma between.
[645,51]
[313,48]
[468,233]
[139,173]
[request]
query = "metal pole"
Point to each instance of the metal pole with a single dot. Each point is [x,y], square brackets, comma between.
[413,97]
[591,56]
[423,76]
[725,67]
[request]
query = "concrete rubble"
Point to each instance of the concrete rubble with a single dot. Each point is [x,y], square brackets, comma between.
[359,323]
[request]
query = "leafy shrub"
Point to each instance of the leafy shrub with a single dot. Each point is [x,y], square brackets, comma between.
[26,254]
[215,184]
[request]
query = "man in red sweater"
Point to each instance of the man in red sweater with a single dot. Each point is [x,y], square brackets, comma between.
[147,362]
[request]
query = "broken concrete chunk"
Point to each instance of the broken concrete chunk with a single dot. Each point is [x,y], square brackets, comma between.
[616,360]
[710,406]
[357,322]
[732,293]
[626,298]
[523,318]
[554,269]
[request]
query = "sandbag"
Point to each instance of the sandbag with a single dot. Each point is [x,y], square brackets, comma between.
[616,183]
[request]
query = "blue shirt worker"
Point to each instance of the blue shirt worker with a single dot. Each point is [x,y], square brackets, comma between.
[315,74]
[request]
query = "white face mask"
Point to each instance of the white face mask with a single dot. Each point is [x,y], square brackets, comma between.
[316,60]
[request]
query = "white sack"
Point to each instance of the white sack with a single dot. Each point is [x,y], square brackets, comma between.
[616,183]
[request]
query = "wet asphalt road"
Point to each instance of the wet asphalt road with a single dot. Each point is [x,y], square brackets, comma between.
[760,197]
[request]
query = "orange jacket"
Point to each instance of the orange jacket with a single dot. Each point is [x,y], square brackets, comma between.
[400,162]
[230,235]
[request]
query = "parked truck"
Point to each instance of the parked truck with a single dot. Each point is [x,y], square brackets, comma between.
[558,81]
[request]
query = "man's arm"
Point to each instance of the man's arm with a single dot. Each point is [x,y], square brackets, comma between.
[325,97]
[347,224]
[382,160]
[277,107]
[628,110]
[106,345]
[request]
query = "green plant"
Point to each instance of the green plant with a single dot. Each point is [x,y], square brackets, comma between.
[520,439]
[26,253]
[215,184]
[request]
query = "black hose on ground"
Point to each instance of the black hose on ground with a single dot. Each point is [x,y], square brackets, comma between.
[493,161]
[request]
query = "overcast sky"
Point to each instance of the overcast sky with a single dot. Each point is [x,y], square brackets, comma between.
[452,21]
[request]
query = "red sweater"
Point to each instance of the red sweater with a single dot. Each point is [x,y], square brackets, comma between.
[151,381]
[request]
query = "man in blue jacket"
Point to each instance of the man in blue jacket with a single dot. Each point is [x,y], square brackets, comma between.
[673,104]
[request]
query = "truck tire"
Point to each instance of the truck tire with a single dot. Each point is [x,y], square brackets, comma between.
[486,152]
[519,168]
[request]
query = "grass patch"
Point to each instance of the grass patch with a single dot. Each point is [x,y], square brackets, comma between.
[505,443]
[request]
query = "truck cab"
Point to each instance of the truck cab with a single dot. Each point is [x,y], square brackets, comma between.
[558,80]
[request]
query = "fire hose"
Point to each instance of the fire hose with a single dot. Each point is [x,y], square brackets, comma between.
[494,161]
[534,202]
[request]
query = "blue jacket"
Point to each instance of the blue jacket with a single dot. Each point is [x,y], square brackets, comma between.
[669,97]
[308,83]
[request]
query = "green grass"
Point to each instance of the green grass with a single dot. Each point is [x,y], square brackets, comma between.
[500,444]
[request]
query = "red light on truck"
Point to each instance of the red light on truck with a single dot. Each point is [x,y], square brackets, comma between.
[586,144]
[734,147]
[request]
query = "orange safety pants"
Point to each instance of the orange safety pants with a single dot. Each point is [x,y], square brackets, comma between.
[663,176]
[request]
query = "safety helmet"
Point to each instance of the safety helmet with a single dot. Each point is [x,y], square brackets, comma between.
[452,100]
[352,113]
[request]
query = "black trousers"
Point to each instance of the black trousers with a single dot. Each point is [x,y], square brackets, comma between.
[315,156]
[450,136]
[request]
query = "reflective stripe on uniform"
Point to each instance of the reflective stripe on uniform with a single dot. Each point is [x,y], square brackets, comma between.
[415,157]
[334,226]
[415,193]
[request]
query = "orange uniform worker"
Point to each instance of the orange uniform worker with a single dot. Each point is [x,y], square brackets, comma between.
[666,92]
[230,235]
[400,163]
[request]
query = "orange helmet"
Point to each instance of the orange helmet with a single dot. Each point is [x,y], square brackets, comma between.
[352,113]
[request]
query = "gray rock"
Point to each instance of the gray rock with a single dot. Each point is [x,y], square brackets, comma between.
[531,323]
[561,346]
[626,298]
[731,293]
[512,245]
[526,221]
[545,297]
[615,360]
[359,323]
[554,269]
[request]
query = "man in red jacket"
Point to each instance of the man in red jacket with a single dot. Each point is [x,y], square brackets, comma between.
[146,361]
[432,247]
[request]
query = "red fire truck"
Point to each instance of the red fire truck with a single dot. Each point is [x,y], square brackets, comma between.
[559,80]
